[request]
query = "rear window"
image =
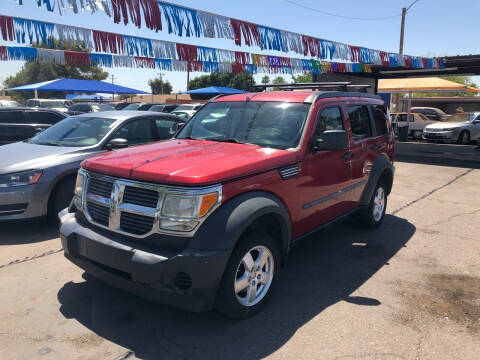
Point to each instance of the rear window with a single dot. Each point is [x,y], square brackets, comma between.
[43,117]
[11,117]
[381,120]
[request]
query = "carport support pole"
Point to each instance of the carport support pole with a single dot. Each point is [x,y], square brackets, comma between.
[409,104]
[35,94]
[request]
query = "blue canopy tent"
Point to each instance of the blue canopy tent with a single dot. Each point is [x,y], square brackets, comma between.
[215,90]
[74,85]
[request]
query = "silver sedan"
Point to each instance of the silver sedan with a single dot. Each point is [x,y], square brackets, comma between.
[461,128]
[37,176]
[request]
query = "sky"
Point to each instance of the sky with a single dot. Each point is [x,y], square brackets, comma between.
[433,28]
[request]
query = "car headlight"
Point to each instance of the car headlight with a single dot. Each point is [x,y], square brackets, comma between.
[20,178]
[78,191]
[454,130]
[182,212]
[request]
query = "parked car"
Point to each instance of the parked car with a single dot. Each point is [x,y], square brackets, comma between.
[186,114]
[55,104]
[37,176]
[166,108]
[132,106]
[120,105]
[84,108]
[207,218]
[431,113]
[8,103]
[21,123]
[194,107]
[461,128]
[415,122]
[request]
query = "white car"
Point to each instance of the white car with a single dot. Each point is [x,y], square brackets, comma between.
[431,113]
[416,122]
[461,128]
[61,105]
[9,103]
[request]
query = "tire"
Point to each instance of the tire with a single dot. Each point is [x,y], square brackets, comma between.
[236,303]
[464,138]
[372,216]
[61,197]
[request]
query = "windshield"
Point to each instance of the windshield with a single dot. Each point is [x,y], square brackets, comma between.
[52,104]
[103,107]
[463,117]
[132,107]
[158,108]
[268,124]
[181,114]
[185,107]
[75,132]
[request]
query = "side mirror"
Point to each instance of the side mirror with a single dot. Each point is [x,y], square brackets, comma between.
[117,144]
[331,140]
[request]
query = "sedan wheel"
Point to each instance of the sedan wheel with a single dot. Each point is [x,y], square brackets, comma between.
[464,138]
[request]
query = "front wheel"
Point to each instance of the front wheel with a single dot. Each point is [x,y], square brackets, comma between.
[464,138]
[250,276]
[372,216]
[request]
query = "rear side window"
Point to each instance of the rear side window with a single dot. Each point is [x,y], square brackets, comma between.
[359,121]
[381,120]
[329,119]
[166,128]
[11,117]
[43,117]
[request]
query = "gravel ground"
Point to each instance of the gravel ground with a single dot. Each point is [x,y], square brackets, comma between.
[410,290]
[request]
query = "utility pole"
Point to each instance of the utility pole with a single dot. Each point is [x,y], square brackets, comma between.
[113,84]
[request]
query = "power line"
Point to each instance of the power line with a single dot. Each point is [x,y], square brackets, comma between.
[341,16]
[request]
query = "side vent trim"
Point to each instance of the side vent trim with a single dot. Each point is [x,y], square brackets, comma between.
[289,171]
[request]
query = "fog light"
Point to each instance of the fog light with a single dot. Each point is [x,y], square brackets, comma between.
[178,225]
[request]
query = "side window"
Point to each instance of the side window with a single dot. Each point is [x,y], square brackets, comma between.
[166,128]
[43,117]
[11,117]
[329,119]
[381,120]
[359,121]
[411,118]
[402,118]
[136,132]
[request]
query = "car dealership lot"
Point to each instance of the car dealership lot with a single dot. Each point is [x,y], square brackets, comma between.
[409,290]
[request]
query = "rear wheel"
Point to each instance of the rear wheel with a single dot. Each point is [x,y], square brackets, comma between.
[372,216]
[464,138]
[250,276]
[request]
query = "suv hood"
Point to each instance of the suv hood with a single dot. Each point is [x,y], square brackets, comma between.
[446,125]
[23,156]
[189,162]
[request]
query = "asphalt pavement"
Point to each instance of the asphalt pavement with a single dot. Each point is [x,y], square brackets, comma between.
[410,290]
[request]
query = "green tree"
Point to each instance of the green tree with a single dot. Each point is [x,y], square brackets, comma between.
[236,81]
[266,80]
[464,80]
[305,78]
[34,72]
[160,86]
[278,80]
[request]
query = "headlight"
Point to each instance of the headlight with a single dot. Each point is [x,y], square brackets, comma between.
[182,212]
[20,178]
[454,130]
[79,184]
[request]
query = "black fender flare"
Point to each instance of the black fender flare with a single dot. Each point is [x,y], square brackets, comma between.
[381,164]
[223,228]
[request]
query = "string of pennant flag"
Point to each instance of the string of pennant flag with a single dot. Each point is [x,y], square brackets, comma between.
[142,52]
[187,22]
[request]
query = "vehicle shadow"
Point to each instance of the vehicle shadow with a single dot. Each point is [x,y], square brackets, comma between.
[27,231]
[322,270]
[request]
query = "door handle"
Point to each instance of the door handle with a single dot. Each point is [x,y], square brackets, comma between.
[39,130]
[348,155]
[376,146]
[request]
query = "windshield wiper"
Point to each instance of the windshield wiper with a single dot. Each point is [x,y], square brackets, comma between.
[51,143]
[229,140]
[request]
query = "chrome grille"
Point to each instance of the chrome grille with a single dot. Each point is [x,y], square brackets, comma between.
[100,187]
[99,213]
[139,196]
[136,224]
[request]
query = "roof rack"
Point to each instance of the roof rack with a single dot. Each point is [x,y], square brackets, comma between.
[332,86]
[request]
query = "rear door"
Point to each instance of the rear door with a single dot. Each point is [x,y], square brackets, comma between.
[327,175]
[13,127]
[364,146]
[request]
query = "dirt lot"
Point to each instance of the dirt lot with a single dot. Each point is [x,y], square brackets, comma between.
[410,290]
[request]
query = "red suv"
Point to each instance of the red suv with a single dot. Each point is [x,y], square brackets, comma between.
[206,219]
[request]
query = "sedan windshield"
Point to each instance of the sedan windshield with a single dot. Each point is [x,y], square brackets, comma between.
[268,124]
[75,132]
[460,118]
[132,107]
[103,107]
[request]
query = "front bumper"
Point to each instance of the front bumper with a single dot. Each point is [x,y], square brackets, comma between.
[187,279]
[23,202]
[440,135]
